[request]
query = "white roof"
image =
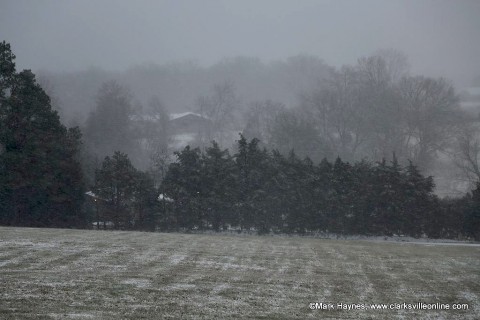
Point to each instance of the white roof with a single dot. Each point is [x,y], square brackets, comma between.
[174,116]
[91,194]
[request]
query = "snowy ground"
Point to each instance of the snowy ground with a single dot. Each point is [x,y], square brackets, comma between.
[75,274]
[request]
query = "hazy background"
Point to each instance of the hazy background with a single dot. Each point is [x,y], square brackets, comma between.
[440,37]
[373,85]
[254,57]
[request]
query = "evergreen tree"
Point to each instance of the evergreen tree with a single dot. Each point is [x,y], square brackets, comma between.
[115,182]
[472,215]
[274,212]
[250,174]
[184,184]
[145,203]
[341,211]
[307,186]
[363,189]
[243,169]
[324,195]
[393,199]
[40,177]
[296,195]
[218,178]
[419,201]
[380,197]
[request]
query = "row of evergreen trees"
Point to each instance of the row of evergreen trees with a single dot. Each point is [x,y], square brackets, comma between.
[265,191]
[42,184]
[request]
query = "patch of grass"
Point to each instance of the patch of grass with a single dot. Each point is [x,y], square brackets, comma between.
[77,274]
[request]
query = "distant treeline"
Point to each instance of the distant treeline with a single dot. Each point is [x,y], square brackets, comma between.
[43,184]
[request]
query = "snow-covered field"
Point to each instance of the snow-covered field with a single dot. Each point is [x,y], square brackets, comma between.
[75,274]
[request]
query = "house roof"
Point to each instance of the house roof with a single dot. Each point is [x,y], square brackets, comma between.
[174,116]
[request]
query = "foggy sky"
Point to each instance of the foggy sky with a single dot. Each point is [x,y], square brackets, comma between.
[441,37]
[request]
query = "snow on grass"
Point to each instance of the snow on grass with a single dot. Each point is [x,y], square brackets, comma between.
[139,283]
[228,265]
[177,258]
[469,296]
[73,316]
[180,286]
[75,274]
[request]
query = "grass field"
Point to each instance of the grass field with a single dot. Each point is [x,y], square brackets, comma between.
[75,274]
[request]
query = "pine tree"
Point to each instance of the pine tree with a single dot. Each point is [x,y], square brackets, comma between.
[145,203]
[381,196]
[40,178]
[244,166]
[341,210]
[393,194]
[420,203]
[115,182]
[472,215]
[363,205]
[218,178]
[324,194]
[296,194]
[273,214]
[184,184]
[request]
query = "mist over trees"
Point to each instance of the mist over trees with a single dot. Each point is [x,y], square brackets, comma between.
[368,110]
[322,149]
[180,85]
[108,127]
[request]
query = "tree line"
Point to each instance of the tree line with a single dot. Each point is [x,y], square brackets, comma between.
[265,191]
[43,181]
[369,109]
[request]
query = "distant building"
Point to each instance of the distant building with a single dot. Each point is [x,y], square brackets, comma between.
[188,122]
[186,127]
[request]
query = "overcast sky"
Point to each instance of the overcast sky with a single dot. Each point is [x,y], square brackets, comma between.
[441,37]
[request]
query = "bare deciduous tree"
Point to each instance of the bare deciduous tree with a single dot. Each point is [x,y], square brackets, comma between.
[340,121]
[396,63]
[432,114]
[220,109]
[259,119]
